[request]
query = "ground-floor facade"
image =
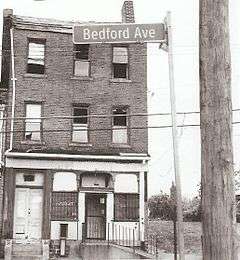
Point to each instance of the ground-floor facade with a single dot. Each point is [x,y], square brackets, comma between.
[71,197]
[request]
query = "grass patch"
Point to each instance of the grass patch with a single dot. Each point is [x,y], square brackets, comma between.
[164,231]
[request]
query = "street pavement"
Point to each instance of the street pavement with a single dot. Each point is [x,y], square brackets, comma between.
[103,252]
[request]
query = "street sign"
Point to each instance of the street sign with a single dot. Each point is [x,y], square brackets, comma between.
[118,33]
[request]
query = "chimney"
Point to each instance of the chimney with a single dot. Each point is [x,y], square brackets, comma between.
[128,12]
[6,48]
[7,12]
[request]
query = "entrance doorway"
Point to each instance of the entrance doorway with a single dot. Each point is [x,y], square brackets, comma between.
[96,216]
[28,214]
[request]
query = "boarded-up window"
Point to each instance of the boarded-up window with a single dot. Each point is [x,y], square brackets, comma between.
[120,62]
[36,53]
[126,207]
[64,206]
[81,60]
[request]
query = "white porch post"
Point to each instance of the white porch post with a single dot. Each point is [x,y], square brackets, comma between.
[109,215]
[141,205]
[81,213]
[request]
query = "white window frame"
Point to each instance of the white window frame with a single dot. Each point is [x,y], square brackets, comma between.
[79,130]
[32,119]
[81,62]
[120,133]
[37,58]
[121,60]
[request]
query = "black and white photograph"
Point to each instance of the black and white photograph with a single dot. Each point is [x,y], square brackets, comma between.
[119,130]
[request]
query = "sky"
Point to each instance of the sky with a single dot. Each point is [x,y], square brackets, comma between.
[185,49]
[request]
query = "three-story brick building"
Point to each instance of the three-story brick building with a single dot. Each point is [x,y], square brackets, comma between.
[76,149]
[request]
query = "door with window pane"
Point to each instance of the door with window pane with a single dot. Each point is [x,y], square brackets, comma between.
[96,216]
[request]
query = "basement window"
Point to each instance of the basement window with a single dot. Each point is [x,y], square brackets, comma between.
[81,60]
[36,56]
[80,124]
[120,62]
[119,128]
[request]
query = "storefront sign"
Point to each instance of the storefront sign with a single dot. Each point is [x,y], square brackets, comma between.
[64,206]
[116,33]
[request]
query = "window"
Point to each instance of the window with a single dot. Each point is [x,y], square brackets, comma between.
[126,207]
[64,206]
[120,62]
[80,125]
[29,177]
[33,122]
[81,60]
[119,131]
[36,52]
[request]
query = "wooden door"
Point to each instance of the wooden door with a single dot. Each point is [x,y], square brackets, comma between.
[20,213]
[35,214]
[28,214]
[96,216]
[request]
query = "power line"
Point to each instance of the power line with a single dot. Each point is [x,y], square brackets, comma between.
[103,116]
[103,129]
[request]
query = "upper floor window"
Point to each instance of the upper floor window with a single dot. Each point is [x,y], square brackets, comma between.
[36,56]
[81,60]
[119,128]
[80,124]
[120,62]
[33,122]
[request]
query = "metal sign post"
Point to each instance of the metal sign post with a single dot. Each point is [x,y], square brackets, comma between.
[175,140]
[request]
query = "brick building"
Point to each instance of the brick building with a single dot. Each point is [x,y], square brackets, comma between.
[75,161]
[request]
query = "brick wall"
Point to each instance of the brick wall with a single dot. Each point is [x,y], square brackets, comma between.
[58,90]
[1,203]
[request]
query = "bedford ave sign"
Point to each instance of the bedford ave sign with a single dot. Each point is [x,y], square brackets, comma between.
[117,33]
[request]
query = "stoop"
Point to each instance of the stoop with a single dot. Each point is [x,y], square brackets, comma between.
[37,250]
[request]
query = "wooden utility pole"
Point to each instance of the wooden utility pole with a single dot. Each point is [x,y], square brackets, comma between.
[218,199]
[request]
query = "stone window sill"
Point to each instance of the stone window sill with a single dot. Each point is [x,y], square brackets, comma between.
[31,142]
[120,80]
[30,75]
[119,145]
[82,78]
[80,144]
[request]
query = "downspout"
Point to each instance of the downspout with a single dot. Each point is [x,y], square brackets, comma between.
[5,198]
[13,91]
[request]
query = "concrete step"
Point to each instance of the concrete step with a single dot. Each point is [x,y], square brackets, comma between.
[27,249]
